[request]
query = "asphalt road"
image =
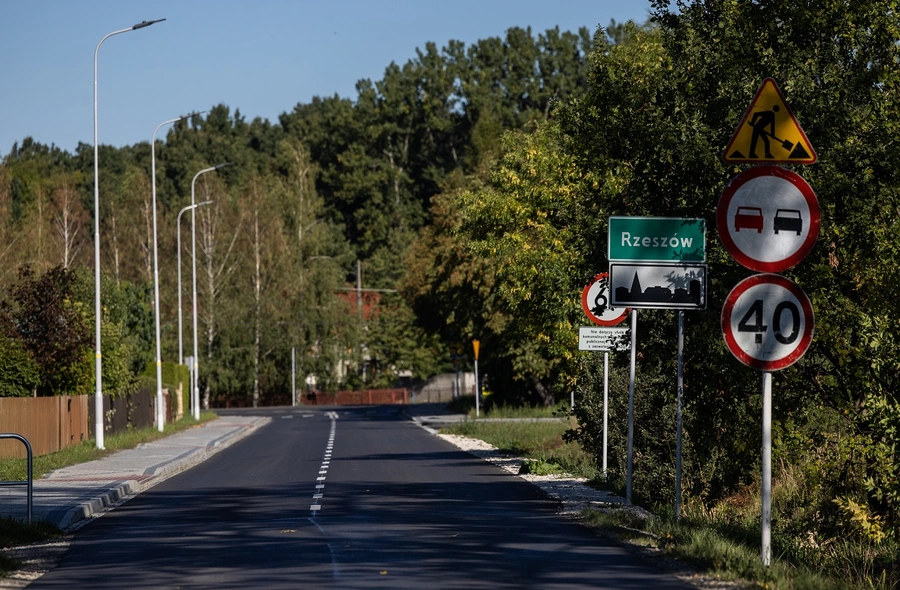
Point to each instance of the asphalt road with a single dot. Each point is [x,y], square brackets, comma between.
[344,498]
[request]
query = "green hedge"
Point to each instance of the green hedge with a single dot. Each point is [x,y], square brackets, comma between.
[172,375]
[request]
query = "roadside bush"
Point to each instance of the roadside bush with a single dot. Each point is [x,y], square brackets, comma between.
[19,375]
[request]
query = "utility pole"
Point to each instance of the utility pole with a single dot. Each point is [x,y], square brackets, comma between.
[359,288]
[359,293]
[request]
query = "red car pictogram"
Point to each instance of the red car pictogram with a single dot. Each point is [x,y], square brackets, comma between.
[748,218]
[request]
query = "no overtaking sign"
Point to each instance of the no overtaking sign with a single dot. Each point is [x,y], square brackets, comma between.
[768,218]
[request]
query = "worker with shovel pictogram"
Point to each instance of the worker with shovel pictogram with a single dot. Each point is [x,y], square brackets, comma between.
[769,118]
[763,123]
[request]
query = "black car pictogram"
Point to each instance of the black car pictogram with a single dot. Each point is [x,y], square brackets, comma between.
[788,220]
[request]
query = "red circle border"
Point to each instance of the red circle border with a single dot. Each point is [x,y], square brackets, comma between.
[587,308]
[722,218]
[731,342]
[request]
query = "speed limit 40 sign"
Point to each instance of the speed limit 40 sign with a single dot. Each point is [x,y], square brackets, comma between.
[767,322]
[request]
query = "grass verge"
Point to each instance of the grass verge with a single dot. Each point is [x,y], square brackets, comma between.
[466,405]
[711,551]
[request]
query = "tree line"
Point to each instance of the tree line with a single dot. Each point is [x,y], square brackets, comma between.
[333,182]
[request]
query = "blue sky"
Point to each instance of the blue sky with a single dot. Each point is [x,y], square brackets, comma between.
[261,57]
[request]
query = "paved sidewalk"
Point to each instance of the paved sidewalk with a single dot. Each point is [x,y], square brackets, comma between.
[70,495]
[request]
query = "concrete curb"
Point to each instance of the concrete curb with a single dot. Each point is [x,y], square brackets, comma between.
[99,504]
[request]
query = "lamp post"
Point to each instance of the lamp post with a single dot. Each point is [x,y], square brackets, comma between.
[178,234]
[98,398]
[195,390]
[160,413]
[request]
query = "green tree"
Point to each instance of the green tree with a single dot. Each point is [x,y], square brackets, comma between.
[397,346]
[318,323]
[127,339]
[19,374]
[503,263]
[526,221]
[654,120]
[45,320]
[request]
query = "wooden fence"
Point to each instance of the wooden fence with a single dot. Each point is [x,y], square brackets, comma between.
[433,395]
[357,398]
[49,423]
[53,423]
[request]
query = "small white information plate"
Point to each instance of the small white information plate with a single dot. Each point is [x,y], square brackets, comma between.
[603,339]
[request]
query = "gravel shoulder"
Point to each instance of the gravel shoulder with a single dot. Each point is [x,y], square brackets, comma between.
[37,559]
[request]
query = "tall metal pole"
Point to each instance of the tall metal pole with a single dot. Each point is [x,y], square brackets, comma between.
[359,304]
[605,407]
[680,388]
[293,376]
[477,402]
[476,346]
[160,410]
[767,469]
[178,234]
[98,363]
[196,385]
[631,406]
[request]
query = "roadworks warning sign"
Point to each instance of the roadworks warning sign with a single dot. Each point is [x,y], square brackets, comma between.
[769,132]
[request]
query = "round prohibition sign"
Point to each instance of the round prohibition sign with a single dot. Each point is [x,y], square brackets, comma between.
[768,218]
[595,303]
[767,322]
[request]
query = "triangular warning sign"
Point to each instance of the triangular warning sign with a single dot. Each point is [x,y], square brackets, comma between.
[769,132]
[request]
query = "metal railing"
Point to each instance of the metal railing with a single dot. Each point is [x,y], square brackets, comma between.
[30,481]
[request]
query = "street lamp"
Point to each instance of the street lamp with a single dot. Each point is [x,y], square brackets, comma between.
[178,234]
[195,389]
[160,410]
[180,355]
[98,398]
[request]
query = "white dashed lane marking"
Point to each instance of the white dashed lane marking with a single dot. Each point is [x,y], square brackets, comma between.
[316,506]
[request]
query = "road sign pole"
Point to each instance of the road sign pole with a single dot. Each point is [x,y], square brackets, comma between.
[605,407]
[476,347]
[189,361]
[631,405]
[477,404]
[767,469]
[293,376]
[680,387]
